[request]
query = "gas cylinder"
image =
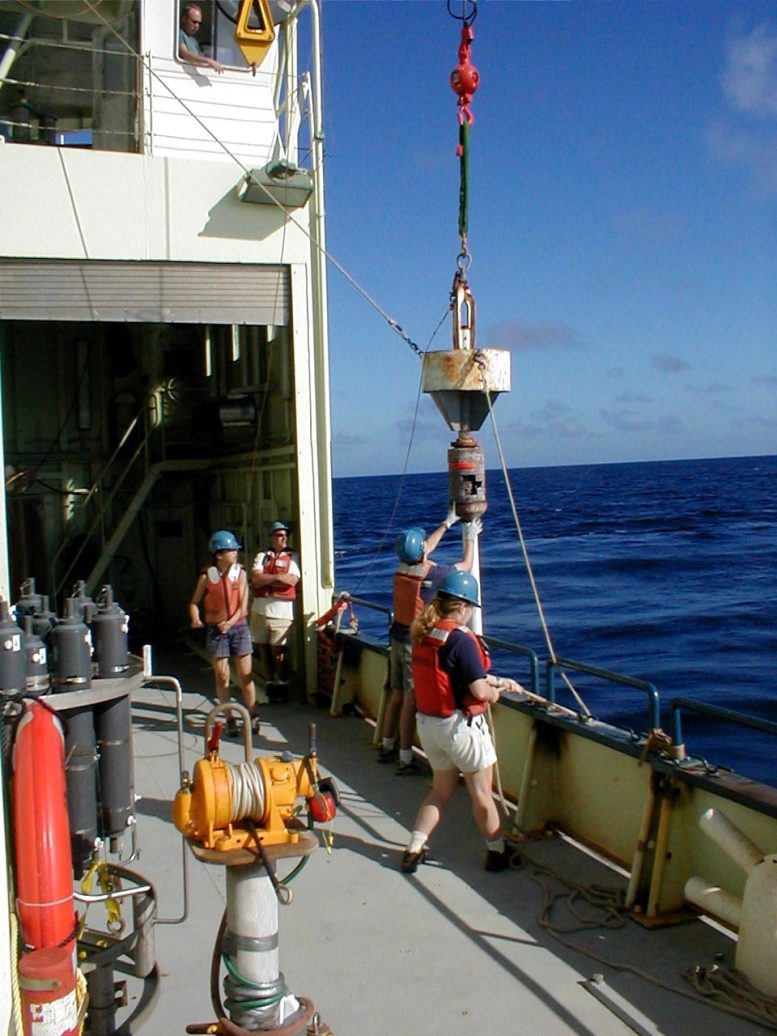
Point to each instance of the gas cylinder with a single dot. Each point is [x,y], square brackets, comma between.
[113,725]
[85,606]
[110,629]
[467,478]
[37,680]
[29,602]
[12,660]
[44,620]
[47,981]
[81,776]
[71,650]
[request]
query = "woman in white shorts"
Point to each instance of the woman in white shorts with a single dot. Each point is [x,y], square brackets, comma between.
[453,690]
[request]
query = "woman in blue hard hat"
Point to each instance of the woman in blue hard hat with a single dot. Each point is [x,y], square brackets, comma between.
[222,591]
[415,582]
[453,689]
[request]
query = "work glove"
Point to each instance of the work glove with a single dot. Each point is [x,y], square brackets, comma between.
[451,518]
[472,529]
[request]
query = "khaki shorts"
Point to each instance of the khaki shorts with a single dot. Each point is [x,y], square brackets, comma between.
[270,631]
[455,742]
[400,666]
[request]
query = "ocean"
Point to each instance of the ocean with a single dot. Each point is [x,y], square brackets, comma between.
[663,571]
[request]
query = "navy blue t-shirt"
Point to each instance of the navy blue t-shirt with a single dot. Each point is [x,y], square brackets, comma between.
[460,658]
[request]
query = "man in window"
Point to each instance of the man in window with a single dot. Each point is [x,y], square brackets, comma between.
[189,48]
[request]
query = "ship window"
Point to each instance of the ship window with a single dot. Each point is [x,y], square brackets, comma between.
[71,82]
[216,34]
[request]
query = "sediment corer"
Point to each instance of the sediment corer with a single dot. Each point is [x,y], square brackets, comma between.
[29,603]
[81,778]
[467,478]
[13,663]
[37,679]
[71,650]
[113,724]
[110,629]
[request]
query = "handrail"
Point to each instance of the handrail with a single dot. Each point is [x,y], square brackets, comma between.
[96,488]
[363,602]
[527,652]
[552,667]
[742,719]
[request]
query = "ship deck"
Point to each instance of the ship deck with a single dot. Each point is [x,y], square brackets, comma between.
[452,949]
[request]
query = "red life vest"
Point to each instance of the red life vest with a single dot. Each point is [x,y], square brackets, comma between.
[407,592]
[222,593]
[279,563]
[433,688]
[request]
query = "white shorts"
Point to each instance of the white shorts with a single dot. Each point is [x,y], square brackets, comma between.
[267,630]
[455,742]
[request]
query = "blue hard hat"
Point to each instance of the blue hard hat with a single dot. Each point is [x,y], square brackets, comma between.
[223,540]
[279,527]
[409,546]
[462,586]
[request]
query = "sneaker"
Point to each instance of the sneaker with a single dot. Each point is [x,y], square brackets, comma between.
[255,725]
[388,755]
[233,730]
[413,769]
[410,861]
[509,857]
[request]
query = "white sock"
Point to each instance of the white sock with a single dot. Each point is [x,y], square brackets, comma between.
[389,742]
[406,755]
[417,842]
[497,846]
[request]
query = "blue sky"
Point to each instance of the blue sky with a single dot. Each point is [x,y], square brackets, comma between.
[623,226]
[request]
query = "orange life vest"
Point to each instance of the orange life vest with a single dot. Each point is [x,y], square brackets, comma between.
[434,694]
[407,592]
[222,593]
[279,563]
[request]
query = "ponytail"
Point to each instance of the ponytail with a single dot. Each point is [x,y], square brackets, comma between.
[438,608]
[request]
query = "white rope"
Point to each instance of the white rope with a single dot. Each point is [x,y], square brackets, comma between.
[524,550]
[247,788]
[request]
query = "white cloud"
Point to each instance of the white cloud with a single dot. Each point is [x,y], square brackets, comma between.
[750,75]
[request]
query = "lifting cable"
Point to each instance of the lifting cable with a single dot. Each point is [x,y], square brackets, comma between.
[527,561]
[464,80]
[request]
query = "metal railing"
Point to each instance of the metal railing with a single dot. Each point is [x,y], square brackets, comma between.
[740,719]
[526,652]
[552,668]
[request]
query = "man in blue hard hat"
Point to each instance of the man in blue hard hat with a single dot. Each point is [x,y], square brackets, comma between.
[415,583]
[274,578]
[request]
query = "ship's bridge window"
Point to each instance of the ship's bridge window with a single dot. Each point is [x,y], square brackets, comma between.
[210,26]
[70,75]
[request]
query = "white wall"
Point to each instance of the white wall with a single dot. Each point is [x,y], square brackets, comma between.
[68,203]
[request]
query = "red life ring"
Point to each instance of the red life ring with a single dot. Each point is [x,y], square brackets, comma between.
[44,867]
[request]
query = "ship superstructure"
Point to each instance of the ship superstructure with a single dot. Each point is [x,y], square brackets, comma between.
[162,305]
